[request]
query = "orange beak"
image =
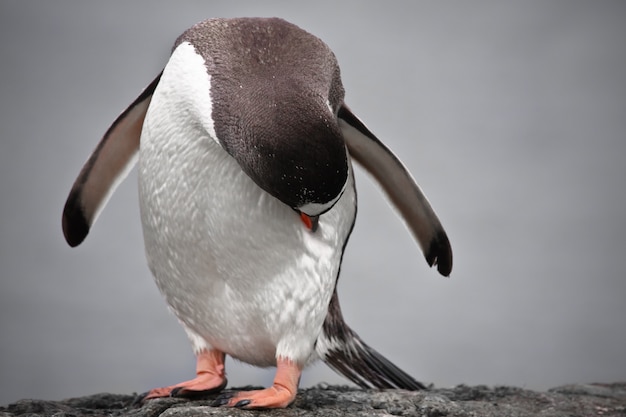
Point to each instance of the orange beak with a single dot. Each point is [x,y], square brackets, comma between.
[311,222]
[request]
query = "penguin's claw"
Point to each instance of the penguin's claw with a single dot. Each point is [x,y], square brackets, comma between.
[242,403]
[138,400]
[223,399]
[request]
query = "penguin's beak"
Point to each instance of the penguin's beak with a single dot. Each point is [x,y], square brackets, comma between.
[311,222]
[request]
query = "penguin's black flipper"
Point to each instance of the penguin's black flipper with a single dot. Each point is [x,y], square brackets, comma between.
[107,166]
[400,187]
[344,351]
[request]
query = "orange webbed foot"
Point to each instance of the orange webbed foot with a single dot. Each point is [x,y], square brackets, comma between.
[272,397]
[210,378]
[279,395]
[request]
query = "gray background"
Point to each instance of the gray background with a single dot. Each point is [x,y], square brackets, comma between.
[511,116]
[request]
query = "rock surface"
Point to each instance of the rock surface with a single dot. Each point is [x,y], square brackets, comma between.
[569,400]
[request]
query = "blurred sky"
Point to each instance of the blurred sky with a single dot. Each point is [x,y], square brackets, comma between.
[511,116]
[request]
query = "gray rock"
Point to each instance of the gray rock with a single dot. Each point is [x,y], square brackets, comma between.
[461,401]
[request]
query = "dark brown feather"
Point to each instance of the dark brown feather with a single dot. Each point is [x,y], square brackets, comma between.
[357,361]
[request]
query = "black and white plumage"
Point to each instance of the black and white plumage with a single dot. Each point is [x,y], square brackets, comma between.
[247,200]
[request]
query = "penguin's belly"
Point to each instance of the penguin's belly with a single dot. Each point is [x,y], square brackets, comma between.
[237,266]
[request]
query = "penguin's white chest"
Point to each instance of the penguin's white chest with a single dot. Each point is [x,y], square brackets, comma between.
[237,266]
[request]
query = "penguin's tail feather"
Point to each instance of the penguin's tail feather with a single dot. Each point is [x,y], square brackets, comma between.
[344,351]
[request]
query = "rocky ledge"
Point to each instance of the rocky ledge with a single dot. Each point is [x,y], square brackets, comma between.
[568,400]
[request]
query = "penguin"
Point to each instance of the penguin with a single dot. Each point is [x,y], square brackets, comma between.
[244,147]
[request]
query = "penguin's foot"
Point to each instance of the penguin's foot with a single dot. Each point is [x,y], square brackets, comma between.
[279,395]
[210,378]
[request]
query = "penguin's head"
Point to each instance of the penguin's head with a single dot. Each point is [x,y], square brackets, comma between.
[275,94]
[292,147]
